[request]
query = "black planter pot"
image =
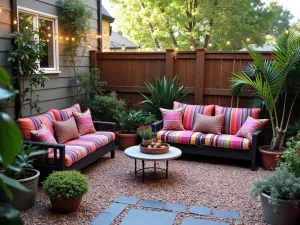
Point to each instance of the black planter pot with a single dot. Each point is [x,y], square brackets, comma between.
[287,212]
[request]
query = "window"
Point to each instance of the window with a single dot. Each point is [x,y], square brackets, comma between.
[47,27]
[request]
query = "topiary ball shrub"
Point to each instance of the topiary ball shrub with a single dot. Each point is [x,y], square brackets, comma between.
[65,184]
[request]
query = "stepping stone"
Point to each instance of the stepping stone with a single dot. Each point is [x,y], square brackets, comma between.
[190,221]
[200,210]
[175,207]
[153,204]
[109,214]
[145,217]
[227,214]
[127,200]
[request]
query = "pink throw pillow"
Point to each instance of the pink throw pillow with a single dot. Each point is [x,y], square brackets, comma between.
[84,122]
[43,134]
[172,119]
[250,126]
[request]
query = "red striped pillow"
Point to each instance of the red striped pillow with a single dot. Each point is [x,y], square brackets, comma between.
[65,114]
[84,122]
[235,117]
[43,135]
[172,119]
[191,111]
[251,126]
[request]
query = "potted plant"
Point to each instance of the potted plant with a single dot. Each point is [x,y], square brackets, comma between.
[277,83]
[129,121]
[22,170]
[145,132]
[65,190]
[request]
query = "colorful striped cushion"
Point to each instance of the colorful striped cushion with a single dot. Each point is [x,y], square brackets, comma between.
[84,145]
[251,126]
[43,135]
[191,111]
[84,122]
[235,117]
[65,114]
[34,123]
[172,119]
[197,138]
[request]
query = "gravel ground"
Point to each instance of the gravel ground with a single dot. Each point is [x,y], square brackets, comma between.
[210,182]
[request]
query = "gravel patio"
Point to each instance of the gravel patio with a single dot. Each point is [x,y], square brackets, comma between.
[209,182]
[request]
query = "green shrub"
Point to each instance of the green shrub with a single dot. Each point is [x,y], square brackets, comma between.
[163,93]
[280,185]
[106,107]
[65,184]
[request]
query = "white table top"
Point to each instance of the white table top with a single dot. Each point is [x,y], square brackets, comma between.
[135,153]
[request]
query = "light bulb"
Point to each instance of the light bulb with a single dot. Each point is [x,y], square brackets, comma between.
[268,35]
[89,46]
[26,27]
[227,42]
[15,21]
[60,37]
[139,49]
[99,36]
[123,47]
[73,39]
[287,30]
[49,35]
[192,47]
[67,38]
[248,39]
[159,49]
[48,40]
[0,9]
[209,44]
[176,48]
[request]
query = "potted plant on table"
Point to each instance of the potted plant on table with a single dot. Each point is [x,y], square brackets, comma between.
[277,83]
[65,190]
[145,132]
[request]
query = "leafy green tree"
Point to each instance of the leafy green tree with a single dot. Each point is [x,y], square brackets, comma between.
[184,23]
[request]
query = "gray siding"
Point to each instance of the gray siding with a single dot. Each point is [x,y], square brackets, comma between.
[58,92]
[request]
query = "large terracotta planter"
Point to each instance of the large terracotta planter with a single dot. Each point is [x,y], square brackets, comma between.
[287,212]
[66,205]
[269,158]
[126,140]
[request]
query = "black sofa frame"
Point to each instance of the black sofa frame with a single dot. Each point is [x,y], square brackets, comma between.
[58,163]
[248,155]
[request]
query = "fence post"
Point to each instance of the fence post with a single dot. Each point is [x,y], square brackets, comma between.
[199,76]
[93,59]
[169,64]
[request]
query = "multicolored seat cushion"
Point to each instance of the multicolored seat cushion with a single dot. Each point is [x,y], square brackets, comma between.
[191,111]
[250,126]
[172,119]
[197,138]
[84,122]
[235,117]
[84,145]
[65,114]
[29,124]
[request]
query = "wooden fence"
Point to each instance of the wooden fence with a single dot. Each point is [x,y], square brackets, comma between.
[206,74]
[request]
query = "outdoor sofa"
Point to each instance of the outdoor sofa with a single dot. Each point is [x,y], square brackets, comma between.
[74,154]
[225,145]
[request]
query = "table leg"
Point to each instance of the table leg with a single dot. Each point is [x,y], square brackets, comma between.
[143,163]
[135,171]
[167,168]
[155,166]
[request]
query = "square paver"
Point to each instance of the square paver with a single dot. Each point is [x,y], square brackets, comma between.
[153,204]
[127,200]
[115,208]
[109,214]
[200,210]
[226,214]
[190,221]
[175,207]
[145,217]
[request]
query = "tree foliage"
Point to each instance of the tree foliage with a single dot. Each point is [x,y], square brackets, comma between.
[181,23]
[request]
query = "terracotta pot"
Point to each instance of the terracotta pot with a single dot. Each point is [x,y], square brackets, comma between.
[126,140]
[269,158]
[66,205]
[146,142]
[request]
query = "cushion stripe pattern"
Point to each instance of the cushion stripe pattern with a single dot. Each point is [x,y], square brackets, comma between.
[65,114]
[84,145]
[179,137]
[191,111]
[172,119]
[235,117]
[34,123]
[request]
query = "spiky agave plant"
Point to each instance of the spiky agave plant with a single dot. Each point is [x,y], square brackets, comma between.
[276,82]
[163,92]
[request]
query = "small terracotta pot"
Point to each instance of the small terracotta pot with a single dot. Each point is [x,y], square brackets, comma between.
[269,158]
[66,205]
[146,142]
[126,140]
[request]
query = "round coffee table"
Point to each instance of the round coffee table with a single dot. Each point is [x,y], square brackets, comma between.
[135,153]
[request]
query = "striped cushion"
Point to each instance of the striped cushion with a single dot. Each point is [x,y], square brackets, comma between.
[172,119]
[34,123]
[191,111]
[86,144]
[84,122]
[250,126]
[43,135]
[65,114]
[235,117]
[197,138]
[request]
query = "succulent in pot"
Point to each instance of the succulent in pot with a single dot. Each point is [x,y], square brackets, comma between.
[22,170]
[145,132]
[65,190]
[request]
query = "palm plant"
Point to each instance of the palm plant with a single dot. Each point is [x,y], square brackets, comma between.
[163,93]
[276,82]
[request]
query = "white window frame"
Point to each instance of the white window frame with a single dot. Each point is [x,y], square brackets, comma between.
[37,14]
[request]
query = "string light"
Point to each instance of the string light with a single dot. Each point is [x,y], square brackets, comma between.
[287,30]
[0,9]
[48,40]
[228,42]
[15,21]
[268,35]
[73,39]
[139,49]
[192,47]
[49,35]
[176,49]
[26,27]
[123,47]
[67,38]
[48,28]
[98,36]
[248,39]
[89,46]
[60,37]
[209,44]
[159,49]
